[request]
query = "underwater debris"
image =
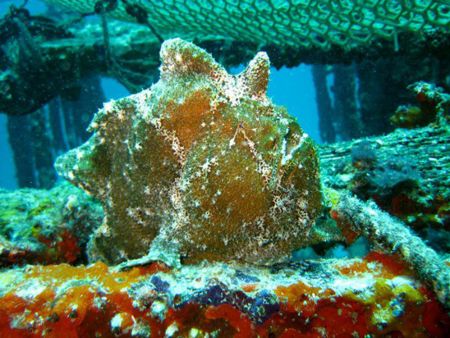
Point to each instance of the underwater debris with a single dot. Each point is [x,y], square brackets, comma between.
[373,296]
[202,160]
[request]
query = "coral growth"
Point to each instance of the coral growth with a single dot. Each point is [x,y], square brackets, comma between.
[203,159]
[409,116]
[46,226]
[372,297]
[433,104]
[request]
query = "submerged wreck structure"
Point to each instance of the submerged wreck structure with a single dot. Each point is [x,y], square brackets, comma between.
[172,167]
[364,55]
[194,200]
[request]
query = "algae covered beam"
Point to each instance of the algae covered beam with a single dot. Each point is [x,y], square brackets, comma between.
[405,172]
[426,149]
[391,235]
[67,61]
